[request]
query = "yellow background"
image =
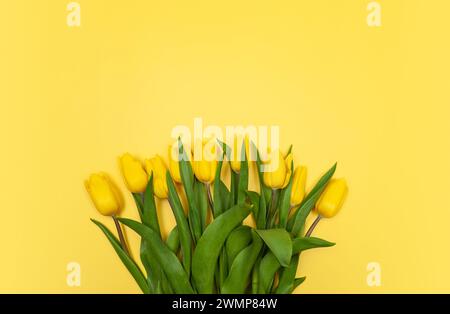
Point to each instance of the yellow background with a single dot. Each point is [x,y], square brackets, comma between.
[374,99]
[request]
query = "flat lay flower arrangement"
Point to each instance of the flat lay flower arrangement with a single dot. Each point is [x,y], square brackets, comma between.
[210,250]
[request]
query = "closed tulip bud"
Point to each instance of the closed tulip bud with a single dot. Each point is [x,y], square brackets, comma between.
[157,167]
[104,194]
[174,163]
[298,185]
[237,155]
[332,198]
[205,166]
[279,173]
[134,174]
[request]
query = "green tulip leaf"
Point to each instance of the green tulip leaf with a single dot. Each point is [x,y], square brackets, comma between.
[302,244]
[182,224]
[201,199]
[241,268]
[266,191]
[261,217]
[254,198]
[187,177]
[210,245]
[175,273]
[173,240]
[279,242]
[220,197]
[150,217]
[269,264]
[287,277]
[125,258]
[238,239]
[285,201]
[298,282]
[243,177]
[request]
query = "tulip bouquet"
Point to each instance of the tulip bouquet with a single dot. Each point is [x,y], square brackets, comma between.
[210,250]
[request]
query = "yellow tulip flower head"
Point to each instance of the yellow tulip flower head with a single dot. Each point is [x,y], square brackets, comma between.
[298,185]
[174,163]
[157,167]
[104,194]
[134,174]
[236,156]
[279,170]
[332,198]
[205,165]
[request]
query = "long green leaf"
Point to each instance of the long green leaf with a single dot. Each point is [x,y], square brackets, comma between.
[150,218]
[175,273]
[285,202]
[264,190]
[126,260]
[201,200]
[218,206]
[261,219]
[305,243]
[243,177]
[187,177]
[182,224]
[210,245]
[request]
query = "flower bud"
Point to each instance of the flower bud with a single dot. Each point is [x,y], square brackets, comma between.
[298,185]
[332,198]
[157,167]
[134,174]
[104,194]
[277,177]
[205,166]
[174,163]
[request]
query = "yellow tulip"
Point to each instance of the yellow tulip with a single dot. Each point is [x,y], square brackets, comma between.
[156,166]
[332,198]
[278,178]
[134,174]
[174,164]
[104,194]
[205,167]
[236,155]
[298,185]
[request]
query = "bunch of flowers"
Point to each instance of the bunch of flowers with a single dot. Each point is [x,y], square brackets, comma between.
[210,250]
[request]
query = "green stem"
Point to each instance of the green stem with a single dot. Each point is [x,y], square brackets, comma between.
[272,209]
[210,199]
